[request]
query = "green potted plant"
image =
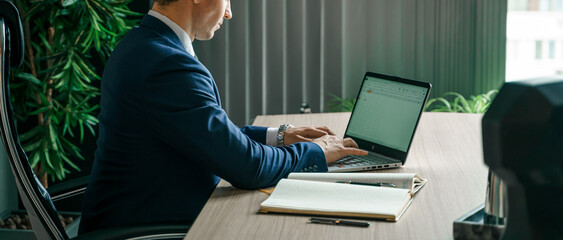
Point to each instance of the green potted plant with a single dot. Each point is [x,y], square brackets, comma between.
[54,94]
[340,104]
[458,103]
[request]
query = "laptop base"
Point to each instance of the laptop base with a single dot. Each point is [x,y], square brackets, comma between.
[362,163]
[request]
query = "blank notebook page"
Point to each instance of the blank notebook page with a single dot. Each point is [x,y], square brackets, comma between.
[338,198]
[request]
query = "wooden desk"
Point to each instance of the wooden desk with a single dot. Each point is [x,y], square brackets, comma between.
[446,149]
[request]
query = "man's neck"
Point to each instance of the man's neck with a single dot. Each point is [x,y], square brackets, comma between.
[179,13]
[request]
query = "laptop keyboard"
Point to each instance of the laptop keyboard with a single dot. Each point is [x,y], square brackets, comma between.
[369,159]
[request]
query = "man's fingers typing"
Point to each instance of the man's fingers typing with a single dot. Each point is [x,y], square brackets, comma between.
[335,148]
[353,151]
[348,142]
[326,129]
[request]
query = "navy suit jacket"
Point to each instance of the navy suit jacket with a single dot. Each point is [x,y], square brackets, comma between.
[165,141]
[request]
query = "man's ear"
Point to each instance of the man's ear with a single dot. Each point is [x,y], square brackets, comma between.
[197,1]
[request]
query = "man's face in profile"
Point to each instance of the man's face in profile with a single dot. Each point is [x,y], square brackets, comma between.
[209,15]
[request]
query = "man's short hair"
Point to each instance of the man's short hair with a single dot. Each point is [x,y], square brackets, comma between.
[164,2]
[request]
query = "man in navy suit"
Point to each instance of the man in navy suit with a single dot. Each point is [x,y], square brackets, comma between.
[164,139]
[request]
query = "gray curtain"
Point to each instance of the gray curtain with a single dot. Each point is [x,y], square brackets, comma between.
[275,54]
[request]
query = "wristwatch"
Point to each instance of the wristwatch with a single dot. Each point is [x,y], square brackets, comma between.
[281,133]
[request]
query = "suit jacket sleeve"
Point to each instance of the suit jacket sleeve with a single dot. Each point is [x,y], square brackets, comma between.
[255,133]
[181,100]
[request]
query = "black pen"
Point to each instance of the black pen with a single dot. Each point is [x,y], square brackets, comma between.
[380,184]
[339,222]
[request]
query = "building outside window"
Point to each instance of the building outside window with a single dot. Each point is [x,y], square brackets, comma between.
[534,45]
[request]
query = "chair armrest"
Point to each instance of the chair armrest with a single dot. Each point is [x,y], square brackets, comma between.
[68,188]
[138,232]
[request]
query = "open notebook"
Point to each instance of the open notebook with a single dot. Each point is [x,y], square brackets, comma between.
[320,194]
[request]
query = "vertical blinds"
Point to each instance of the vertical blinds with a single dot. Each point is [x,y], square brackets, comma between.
[275,54]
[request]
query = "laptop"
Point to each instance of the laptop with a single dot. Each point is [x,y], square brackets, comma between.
[383,122]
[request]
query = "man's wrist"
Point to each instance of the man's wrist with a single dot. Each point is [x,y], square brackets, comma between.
[281,133]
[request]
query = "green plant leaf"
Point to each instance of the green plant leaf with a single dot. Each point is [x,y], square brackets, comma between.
[32,146]
[446,108]
[59,76]
[81,127]
[54,136]
[29,134]
[40,110]
[87,68]
[29,77]
[91,119]
[34,159]
[68,3]
[70,163]
[48,158]
[54,117]
[127,12]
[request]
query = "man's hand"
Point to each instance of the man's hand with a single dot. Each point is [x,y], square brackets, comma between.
[304,134]
[335,148]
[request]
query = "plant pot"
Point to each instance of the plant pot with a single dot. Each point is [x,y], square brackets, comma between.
[27,234]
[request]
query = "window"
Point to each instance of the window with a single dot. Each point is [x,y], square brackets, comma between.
[534,45]
[552,49]
[539,49]
[545,5]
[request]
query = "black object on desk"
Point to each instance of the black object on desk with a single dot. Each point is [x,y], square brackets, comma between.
[331,221]
[522,143]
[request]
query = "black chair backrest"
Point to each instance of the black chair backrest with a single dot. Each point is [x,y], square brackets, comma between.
[14,49]
[36,199]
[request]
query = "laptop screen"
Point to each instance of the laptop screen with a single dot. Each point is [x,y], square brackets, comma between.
[387,111]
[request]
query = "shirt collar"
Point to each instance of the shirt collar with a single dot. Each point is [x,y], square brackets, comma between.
[186,41]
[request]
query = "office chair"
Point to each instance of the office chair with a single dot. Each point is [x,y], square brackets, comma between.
[36,200]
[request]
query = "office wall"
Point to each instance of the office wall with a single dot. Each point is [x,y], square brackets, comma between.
[275,54]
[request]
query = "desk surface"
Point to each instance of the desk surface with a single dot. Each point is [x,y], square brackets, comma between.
[446,150]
